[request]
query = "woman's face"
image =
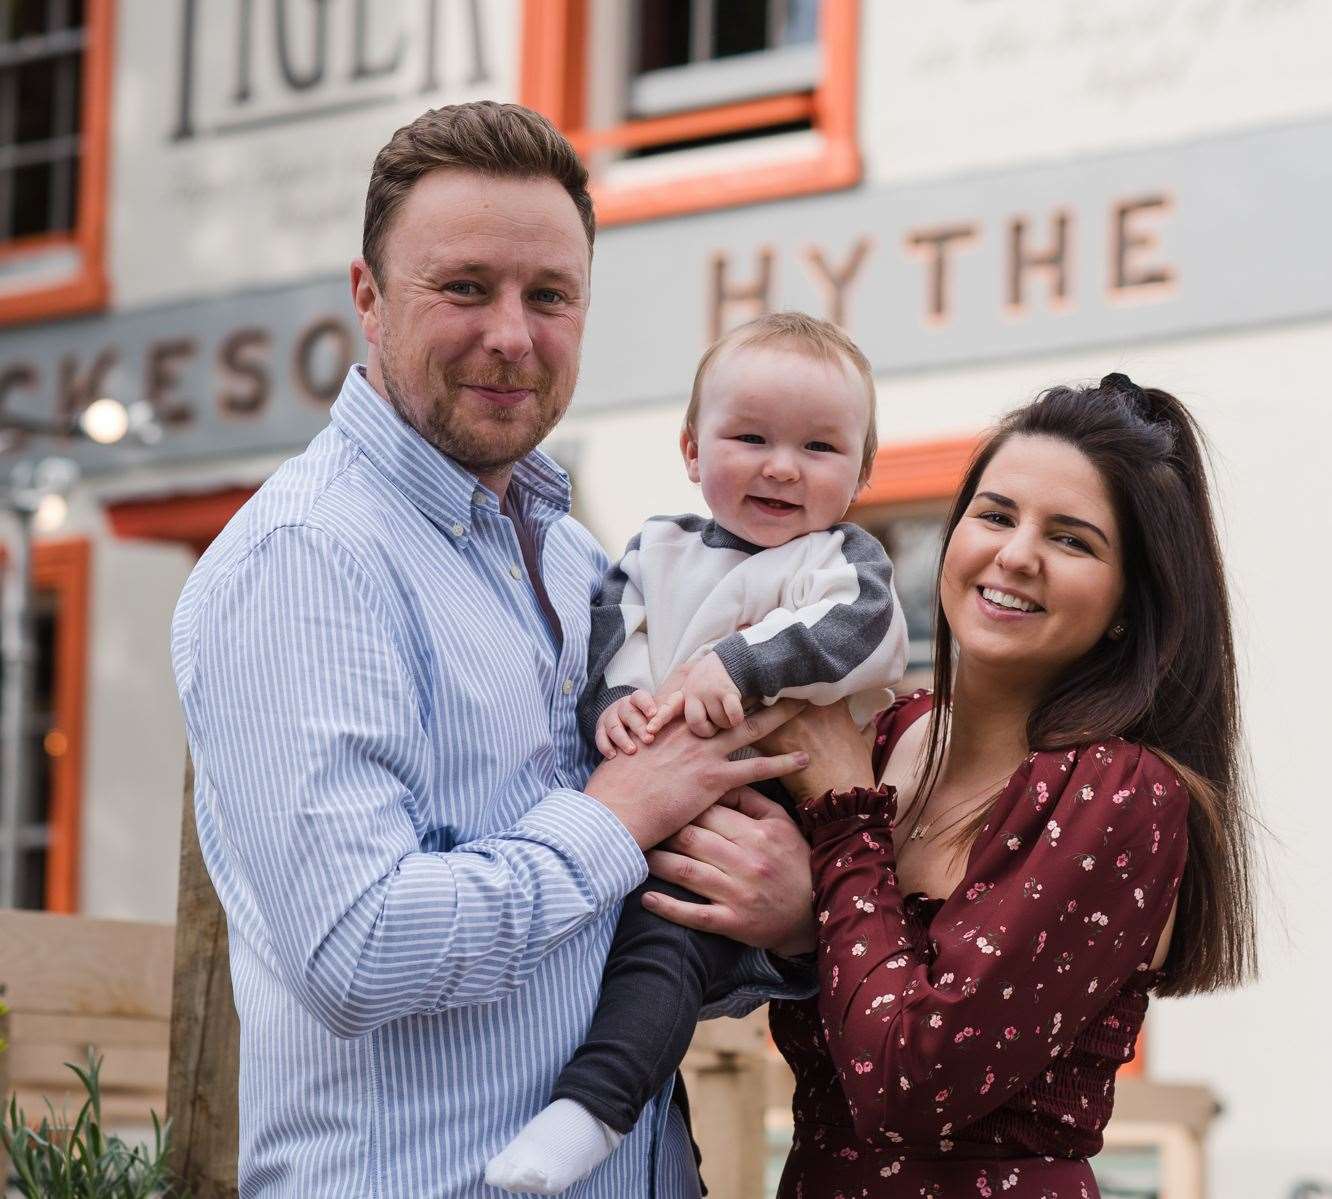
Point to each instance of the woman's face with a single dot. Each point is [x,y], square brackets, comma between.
[1033,576]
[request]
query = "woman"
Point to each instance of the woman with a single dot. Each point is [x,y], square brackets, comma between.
[1055,834]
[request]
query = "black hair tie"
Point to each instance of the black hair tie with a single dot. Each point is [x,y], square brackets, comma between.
[1121,384]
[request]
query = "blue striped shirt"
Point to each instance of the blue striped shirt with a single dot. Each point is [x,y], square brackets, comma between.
[387,760]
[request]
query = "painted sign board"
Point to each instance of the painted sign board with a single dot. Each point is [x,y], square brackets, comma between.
[1150,244]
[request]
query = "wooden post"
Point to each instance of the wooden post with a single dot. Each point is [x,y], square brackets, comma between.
[4,1077]
[202,1096]
[726,1073]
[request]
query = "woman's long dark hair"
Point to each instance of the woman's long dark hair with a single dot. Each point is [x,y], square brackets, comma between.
[1170,682]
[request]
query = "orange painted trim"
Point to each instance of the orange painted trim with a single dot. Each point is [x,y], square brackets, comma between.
[554,60]
[36,243]
[554,49]
[89,289]
[928,470]
[703,122]
[62,567]
[193,520]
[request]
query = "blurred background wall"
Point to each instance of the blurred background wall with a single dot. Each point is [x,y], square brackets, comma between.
[991,195]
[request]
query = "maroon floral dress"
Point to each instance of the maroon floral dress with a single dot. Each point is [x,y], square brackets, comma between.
[967,1046]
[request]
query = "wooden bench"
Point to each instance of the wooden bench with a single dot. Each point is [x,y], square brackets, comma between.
[72,982]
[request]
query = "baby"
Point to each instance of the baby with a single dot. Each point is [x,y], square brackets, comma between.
[772,597]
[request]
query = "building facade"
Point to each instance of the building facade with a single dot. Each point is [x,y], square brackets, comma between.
[992,196]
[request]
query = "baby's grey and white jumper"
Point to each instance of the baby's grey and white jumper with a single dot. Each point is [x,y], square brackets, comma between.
[815,619]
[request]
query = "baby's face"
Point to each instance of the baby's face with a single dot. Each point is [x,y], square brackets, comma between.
[779,442]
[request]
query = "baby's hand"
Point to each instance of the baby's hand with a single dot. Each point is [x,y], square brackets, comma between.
[711,700]
[625,722]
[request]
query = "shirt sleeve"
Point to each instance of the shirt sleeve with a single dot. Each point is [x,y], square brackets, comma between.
[312,739]
[841,631]
[755,981]
[618,662]
[1057,910]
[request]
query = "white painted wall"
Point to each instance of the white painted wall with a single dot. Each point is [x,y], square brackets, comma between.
[960,85]
[220,213]
[135,750]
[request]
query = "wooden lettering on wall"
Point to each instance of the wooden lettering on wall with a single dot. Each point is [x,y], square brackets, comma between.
[836,281]
[754,298]
[1130,241]
[1055,261]
[935,246]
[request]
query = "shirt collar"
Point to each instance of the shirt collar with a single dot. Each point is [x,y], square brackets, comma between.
[444,491]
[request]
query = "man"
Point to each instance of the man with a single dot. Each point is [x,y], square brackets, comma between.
[379,661]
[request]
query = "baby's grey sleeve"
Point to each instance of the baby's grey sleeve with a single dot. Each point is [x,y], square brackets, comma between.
[617,614]
[851,636]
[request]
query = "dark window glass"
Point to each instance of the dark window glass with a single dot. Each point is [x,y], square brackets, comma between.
[739,27]
[663,34]
[35,808]
[40,111]
[913,538]
[36,84]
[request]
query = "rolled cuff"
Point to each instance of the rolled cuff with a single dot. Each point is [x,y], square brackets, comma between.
[593,839]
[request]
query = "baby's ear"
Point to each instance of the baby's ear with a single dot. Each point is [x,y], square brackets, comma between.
[689,450]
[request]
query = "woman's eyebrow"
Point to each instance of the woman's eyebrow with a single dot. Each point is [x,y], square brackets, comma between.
[1077,523]
[1062,518]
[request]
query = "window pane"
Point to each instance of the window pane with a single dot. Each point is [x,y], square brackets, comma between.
[913,541]
[36,82]
[22,18]
[739,27]
[32,879]
[32,200]
[663,34]
[800,23]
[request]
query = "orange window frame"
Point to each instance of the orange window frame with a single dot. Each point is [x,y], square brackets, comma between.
[554,70]
[62,568]
[88,289]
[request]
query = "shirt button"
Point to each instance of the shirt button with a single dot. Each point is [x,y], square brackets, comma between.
[515,570]
[457,530]
[478,497]
[568,687]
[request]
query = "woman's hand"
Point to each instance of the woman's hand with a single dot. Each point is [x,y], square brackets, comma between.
[839,752]
[747,856]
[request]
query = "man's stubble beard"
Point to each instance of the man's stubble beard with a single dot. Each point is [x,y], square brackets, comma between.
[469,447]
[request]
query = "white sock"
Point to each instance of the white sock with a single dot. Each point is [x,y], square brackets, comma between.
[559,1145]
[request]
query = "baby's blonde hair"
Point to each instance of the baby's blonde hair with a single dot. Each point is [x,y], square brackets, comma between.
[805,334]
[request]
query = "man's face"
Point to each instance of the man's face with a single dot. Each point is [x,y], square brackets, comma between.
[475,327]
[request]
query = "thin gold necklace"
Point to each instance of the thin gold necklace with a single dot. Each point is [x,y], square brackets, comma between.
[920,829]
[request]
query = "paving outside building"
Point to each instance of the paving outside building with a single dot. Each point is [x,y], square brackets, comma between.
[991,196]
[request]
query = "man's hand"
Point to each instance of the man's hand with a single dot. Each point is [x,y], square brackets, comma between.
[661,787]
[747,856]
[712,701]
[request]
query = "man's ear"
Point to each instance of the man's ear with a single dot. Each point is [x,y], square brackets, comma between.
[689,448]
[365,296]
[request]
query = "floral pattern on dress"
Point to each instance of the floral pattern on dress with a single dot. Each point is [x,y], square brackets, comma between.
[986,1026]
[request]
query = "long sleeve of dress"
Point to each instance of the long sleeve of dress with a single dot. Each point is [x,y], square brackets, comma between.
[1060,904]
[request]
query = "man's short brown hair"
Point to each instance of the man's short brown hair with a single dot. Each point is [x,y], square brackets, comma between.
[503,140]
[804,334]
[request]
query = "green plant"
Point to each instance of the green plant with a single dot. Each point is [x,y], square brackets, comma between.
[58,1160]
